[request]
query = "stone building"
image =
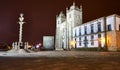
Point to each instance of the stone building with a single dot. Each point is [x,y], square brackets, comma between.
[48,42]
[103,32]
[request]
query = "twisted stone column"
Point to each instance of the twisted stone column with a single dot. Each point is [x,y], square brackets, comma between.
[21,18]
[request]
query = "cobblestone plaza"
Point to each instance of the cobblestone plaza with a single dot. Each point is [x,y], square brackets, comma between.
[63,60]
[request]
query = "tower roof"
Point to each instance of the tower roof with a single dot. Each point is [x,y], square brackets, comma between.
[73,7]
[61,14]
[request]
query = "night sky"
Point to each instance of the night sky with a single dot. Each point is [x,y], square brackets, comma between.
[40,16]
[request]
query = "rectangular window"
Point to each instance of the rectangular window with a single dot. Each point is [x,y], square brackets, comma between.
[99,27]
[92,28]
[92,37]
[109,27]
[92,40]
[79,31]
[85,29]
[75,39]
[80,41]
[99,35]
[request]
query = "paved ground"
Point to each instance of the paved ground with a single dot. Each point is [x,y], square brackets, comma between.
[63,60]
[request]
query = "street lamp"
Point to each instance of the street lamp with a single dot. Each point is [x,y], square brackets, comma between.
[72,43]
[102,40]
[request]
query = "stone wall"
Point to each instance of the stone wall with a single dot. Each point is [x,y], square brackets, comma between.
[111,41]
[118,40]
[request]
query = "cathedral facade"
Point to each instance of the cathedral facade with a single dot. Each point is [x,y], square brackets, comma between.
[100,33]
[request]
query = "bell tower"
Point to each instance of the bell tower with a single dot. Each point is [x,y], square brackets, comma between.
[73,18]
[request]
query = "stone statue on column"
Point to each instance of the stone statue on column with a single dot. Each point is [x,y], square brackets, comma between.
[20,45]
[21,22]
